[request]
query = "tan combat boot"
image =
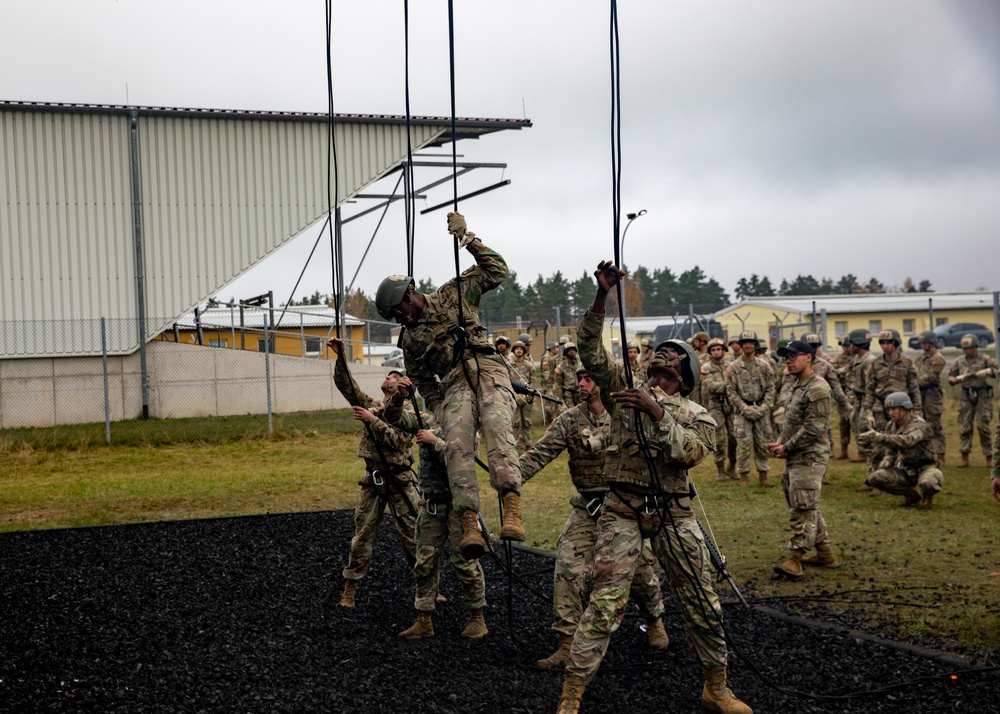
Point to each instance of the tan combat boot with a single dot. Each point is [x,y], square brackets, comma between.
[717,697]
[731,471]
[791,567]
[656,634]
[721,468]
[560,656]
[964,464]
[476,627]
[572,691]
[927,503]
[745,479]
[762,478]
[472,546]
[940,459]
[350,588]
[843,453]
[423,627]
[511,525]
[911,498]
[824,557]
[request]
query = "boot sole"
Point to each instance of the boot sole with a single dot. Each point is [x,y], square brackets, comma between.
[472,551]
[511,533]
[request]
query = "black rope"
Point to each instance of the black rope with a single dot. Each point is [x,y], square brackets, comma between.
[332,170]
[409,201]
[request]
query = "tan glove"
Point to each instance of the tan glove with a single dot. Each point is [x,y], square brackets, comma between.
[985,373]
[870,421]
[867,437]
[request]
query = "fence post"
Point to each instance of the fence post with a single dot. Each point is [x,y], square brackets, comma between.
[267,376]
[107,401]
[996,323]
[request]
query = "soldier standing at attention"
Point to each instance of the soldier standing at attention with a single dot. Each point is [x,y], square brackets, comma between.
[805,446]
[734,349]
[522,371]
[713,388]
[929,365]
[463,381]
[565,376]
[750,388]
[843,364]
[388,480]
[546,379]
[645,354]
[679,434]
[637,368]
[908,468]
[975,398]
[861,339]
[699,341]
[583,431]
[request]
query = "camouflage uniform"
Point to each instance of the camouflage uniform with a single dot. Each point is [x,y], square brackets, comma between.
[471,394]
[546,380]
[884,378]
[975,401]
[843,364]
[713,388]
[805,438]
[908,462]
[858,381]
[929,366]
[750,388]
[391,486]
[645,356]
[522,370]
[677,443]
[437,520]
[564,378]
[575,430]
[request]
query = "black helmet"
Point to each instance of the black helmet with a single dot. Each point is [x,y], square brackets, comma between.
[861,337]
[390,294]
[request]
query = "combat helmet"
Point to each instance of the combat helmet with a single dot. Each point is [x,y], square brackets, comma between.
[748,336]
[519,343]
[700,335]
[969,340]
[569,346]
[552,344]
[812,339]
[861,337]
[390,294]
[890,335]
[501,338]
[564,339]
[717,342]
[928,338]
[899,399]
[689,358]
[525,338]
[845,341]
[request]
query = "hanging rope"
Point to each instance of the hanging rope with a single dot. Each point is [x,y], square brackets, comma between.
[332,171]
[408,187]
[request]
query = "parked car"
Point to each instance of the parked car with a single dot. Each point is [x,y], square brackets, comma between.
[394,359]
[950,335]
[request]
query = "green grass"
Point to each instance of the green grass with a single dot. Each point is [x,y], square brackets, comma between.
[930,574]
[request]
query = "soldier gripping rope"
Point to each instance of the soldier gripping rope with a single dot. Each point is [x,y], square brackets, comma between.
[463,381]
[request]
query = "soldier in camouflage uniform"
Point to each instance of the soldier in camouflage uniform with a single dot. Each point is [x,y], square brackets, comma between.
[734,349]
[975,397]
[699,341]
[583,432]
[679,434]
[463,381]
[546,380]
[843,364]
[907,467]
[805,445]
[929,365]
[388,480]
[825,369]
[750,388]
[638,369]
[995,470]
[502,346]
[891,372]
[861,340]
[565,376]
[645,354]
[437,522]
[713,389]
[522,370]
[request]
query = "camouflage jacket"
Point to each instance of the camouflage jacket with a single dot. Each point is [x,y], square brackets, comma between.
[827,371]
[432,476]
[750,383]
[576,430]
[885,377]
[964,365]
[522,370]
[678,442]
[929,366]
[713,385]
[565,384]
[859,373]
[546,372]
[378,438]
[844,365]
[429,347]
[807,420]
[908,447]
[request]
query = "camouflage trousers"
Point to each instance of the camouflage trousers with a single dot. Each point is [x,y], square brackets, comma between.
[680,549]
[486,406]
[575,562]
[367,516]
[551,410]
[876,451]
[725,433]
[933,402]
[433,530]
[752,438]
[845,427]
[802,482]
[898,482]
[522,425]
[980,413]
[858,423]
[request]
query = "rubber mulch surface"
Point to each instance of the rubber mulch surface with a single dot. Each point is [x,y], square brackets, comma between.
[241,615]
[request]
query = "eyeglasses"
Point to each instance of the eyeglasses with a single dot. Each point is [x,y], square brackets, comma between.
[792,356]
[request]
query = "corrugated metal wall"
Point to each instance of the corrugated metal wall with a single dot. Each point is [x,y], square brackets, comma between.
[218,195]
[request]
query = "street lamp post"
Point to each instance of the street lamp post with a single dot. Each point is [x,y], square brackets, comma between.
[631,217]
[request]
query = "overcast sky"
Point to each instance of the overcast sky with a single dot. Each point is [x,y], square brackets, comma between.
[774,137]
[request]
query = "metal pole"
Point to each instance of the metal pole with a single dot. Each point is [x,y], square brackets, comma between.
[822,326]
[232,326]
[930,310]
[107,400]
[813,318]
[558,324]
[996,323]
[267,375]
[368,341]
[302,332]
[140,279]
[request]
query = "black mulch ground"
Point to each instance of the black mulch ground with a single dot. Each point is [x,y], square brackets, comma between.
[240,615]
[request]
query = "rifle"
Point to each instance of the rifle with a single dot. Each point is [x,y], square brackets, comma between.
[718,560]
[522,388]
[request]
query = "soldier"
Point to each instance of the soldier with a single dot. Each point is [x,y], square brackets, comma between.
[825,369]
[388,480]
[734,349]
[463,381]
[713,388]
[437,522]
[907,468]
[929,365]
[861,340]
[892,372]
[680,434]
[638,371]
[975,398]
[750,388]
[995,470]
[843,364]
[502,346]
[805,446]
[522,371]
[583,432]
[645,354]
[546,379]
[565,376]
[526,339]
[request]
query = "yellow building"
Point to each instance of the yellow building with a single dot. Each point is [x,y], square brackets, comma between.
[790,317]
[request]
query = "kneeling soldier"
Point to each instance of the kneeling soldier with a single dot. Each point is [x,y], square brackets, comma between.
[908,468]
